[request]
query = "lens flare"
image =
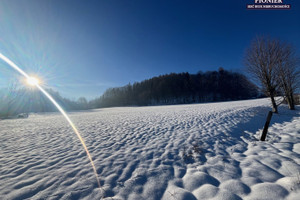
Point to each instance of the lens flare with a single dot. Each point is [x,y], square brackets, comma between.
[35,81]
[32,81]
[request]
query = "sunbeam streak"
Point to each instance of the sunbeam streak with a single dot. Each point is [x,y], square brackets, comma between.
[36,83]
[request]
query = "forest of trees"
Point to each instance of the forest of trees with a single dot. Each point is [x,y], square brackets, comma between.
[172,88]
[180,88]
[14,100]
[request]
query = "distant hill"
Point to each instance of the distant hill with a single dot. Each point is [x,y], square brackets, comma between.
[182,88]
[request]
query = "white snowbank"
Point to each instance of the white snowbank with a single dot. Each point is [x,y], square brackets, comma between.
[200,151]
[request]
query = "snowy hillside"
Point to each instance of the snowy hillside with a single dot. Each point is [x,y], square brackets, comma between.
[200,151]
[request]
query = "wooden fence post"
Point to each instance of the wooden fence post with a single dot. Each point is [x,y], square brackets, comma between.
[265,131]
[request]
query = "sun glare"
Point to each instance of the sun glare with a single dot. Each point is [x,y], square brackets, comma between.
[36,82]
[32,81]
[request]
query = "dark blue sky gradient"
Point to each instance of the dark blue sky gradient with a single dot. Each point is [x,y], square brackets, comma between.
[80,48]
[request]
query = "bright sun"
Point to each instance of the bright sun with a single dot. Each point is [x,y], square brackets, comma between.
[32,81]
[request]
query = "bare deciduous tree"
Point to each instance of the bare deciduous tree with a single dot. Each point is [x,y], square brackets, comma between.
[275,65]
[261,61]
[289,73]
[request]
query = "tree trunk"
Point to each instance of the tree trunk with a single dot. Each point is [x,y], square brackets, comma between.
[288,99]
[291,102]
[265,131]
[275,109]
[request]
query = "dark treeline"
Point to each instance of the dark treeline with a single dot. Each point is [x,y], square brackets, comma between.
[15,100]
[180,88]
[167,89]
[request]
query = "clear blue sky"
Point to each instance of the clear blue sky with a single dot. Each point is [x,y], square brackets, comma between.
[82,47]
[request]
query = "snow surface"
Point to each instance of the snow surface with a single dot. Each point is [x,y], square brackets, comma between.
[199,151]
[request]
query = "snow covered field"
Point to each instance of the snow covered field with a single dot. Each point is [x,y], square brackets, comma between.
[200,151]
